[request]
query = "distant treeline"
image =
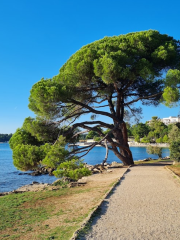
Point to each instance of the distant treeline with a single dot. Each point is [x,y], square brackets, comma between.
[5,137]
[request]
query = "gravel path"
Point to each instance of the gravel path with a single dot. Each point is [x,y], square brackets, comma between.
[145,205]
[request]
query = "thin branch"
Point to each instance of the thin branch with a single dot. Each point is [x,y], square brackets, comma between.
[80,133]
[141,98]
[95,111]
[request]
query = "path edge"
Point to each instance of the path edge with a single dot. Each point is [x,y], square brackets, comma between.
[173,173]
[75,234]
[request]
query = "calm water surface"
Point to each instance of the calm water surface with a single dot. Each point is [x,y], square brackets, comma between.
[10,178]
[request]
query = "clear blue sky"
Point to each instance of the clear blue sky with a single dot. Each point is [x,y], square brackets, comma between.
[38,36]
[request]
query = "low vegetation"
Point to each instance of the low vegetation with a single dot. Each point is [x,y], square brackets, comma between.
[54,214]
[175,168]
[159,160]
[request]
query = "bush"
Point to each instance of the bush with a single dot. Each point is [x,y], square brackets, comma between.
[73,169]
[27,157]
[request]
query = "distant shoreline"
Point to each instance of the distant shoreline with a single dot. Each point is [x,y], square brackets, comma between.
[131,144]
[134,144]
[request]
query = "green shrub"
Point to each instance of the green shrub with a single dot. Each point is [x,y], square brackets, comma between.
[73,169]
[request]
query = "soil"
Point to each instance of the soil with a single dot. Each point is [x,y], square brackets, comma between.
[73,206]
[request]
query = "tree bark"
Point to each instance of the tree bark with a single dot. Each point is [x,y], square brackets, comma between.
[124,153]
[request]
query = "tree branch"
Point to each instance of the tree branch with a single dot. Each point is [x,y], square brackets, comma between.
[96,111]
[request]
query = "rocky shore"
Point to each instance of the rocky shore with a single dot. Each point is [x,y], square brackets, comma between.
[95,169]
[36,186]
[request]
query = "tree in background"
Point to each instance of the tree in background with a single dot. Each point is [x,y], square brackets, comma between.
[5,137]
[140,129]
[154,150]
[115,73]
[174,133]
[175,150]
[157,130]
[174,140]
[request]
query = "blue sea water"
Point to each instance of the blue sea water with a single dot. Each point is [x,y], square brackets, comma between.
[10,178]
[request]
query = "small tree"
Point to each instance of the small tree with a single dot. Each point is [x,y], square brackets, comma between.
[154,150]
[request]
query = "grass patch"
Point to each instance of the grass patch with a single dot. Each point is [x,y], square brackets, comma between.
[51,214]
[22,213]
[22,209]
[175,168]
[152,161]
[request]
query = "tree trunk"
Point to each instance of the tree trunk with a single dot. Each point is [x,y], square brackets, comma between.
[124,153]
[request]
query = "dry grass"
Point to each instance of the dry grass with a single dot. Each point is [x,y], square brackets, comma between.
[175,168]
[54,214]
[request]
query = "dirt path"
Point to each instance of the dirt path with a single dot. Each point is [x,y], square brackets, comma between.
[145,206]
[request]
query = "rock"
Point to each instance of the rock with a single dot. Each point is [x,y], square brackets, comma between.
[37,173]
[83,180]
[3,193]
[51,174]
[95,170]
[35,182]
[90,167]
[115,165]
[73,184]
[109,170]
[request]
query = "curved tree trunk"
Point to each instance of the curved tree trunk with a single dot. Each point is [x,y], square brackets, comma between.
[124,153]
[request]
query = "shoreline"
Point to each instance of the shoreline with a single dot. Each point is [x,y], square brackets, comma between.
[134,144]
[131,144]
[96,170]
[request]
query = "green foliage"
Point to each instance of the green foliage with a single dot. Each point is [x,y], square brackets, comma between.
[174,133]
[173,77]
[151,136]
[61,182]
[22,137]
[73,169]
[145,140]
[55,154]
[43,96]
[171,92]
[158,130]
[140,129]
[97,139]
[170,96]
[154,150]
[5,137]
[41,129]
[114,71]
[26,157]
[92,134]
[159,140]
[137,138]
[165,139]
[175,150]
